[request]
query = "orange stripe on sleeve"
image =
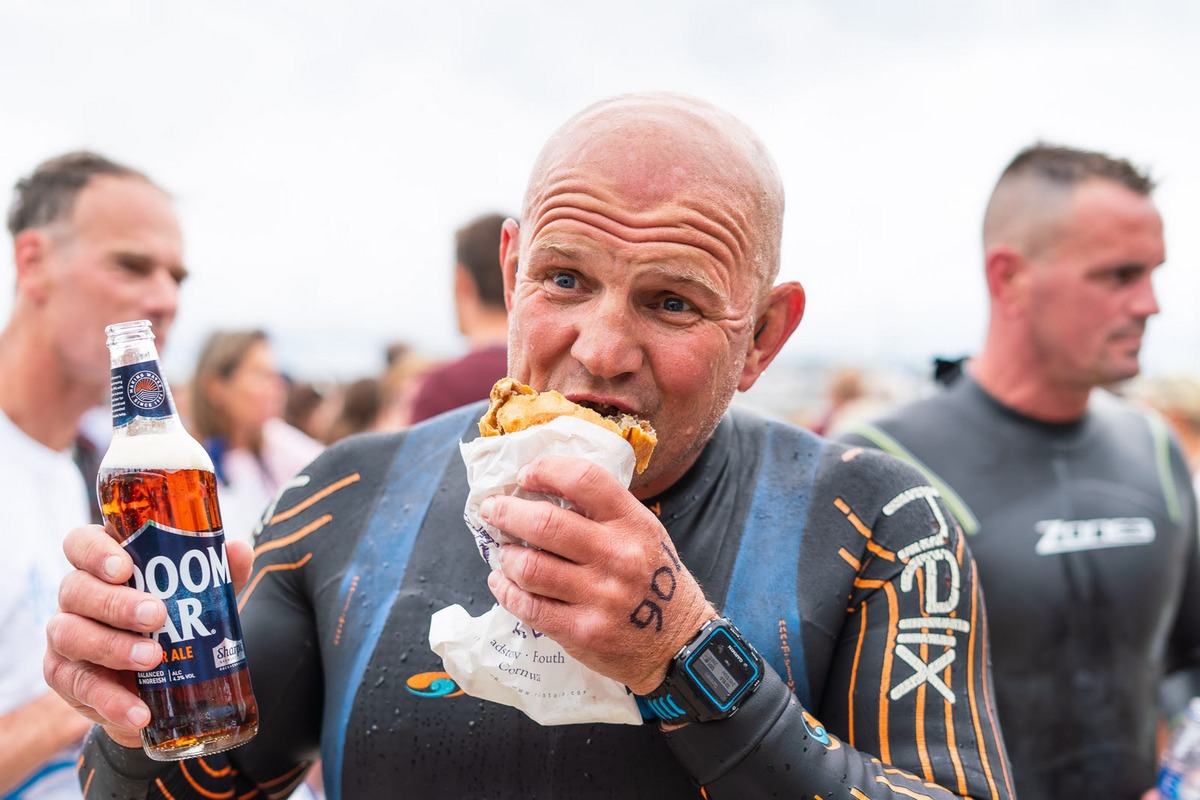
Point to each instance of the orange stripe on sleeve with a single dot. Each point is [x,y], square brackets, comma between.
[183,767]
[862,633]
[971,662]
[158,782]
[287,776]
[863,583]
[951,733]
[849,559]
[886,555]
[249,590]
[882,552]
[337,636]
[293,537]
[902,790]
[952,739]
[885,676]
[87,784]
[983,647]
[316,498]
[216,773]
[919,729]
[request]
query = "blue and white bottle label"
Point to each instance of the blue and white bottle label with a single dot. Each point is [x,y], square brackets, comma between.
[138,390]
[202,637]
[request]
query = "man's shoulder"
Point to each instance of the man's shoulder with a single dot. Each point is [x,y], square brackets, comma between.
[830,461]
[354,474]
[946,413]
[377,450]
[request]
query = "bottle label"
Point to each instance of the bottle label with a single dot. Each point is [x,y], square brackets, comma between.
[202,637]
[138,390]
[1169,781]
[1174,783]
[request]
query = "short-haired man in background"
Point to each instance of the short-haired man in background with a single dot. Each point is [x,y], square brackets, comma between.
[94,242]
[1079,509]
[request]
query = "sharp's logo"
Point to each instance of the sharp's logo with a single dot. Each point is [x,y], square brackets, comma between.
[1073,535]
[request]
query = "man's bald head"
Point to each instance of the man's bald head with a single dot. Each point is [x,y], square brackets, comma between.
[656,148]
[1035,189]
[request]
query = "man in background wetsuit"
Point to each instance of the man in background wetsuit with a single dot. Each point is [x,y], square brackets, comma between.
[1078,507]
[642,278]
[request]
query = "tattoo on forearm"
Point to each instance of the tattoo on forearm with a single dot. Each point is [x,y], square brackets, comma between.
[662,586]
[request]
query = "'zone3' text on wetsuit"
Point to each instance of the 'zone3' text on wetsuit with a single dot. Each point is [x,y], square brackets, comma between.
[842,567]
[1085,538]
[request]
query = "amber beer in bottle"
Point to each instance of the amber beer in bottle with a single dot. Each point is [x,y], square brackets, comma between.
[158,495]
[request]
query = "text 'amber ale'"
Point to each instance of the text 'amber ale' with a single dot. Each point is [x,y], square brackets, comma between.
[158,494]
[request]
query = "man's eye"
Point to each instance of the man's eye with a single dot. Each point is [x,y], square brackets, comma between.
[1127,275]
[675,305]
[565,280]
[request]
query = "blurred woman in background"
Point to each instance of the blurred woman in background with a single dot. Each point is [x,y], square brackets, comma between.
[238,398]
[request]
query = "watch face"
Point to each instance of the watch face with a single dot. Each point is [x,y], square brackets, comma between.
[722,668]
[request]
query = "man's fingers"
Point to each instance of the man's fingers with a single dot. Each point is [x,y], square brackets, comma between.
[592,490]
[98,694]
[119,606]
[241,561]
[90,548]
[541,523]
[81,639]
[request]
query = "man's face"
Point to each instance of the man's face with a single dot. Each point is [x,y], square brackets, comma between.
[635,294]
[119,259]
[1091,293]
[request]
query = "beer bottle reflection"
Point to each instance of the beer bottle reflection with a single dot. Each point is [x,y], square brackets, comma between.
[158,495]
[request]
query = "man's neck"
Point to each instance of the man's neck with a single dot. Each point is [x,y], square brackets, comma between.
[1028,390]
[487,330]
[37,394]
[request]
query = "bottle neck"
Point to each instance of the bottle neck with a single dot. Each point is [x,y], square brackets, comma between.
[141,398]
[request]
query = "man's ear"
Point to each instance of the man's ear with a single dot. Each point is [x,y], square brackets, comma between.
[510,251]
[785,308]
[1008,274]
[31,250]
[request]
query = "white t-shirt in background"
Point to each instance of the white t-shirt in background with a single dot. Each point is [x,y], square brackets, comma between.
[46,498]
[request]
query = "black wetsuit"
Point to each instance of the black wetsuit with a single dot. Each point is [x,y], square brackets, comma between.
[844,573]
[1085,538]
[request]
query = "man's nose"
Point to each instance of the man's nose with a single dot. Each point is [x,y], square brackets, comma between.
[160,301]
[607,342]
[1145,301]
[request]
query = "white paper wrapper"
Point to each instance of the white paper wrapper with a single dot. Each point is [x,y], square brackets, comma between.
[493,462]
[495,656]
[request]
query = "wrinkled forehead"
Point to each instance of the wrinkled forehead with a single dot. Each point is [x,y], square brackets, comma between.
[661,151]
[657,150]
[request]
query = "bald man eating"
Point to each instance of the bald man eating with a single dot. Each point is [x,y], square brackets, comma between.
[796,618]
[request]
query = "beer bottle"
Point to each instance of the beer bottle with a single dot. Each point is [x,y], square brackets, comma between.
[158,495]
[1179,767]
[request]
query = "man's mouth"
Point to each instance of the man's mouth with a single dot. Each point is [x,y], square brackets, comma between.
[603,409]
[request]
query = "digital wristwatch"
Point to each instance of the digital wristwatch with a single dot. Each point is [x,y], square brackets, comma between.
[708,678]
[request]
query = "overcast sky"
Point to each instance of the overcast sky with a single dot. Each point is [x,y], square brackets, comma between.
[323,153]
